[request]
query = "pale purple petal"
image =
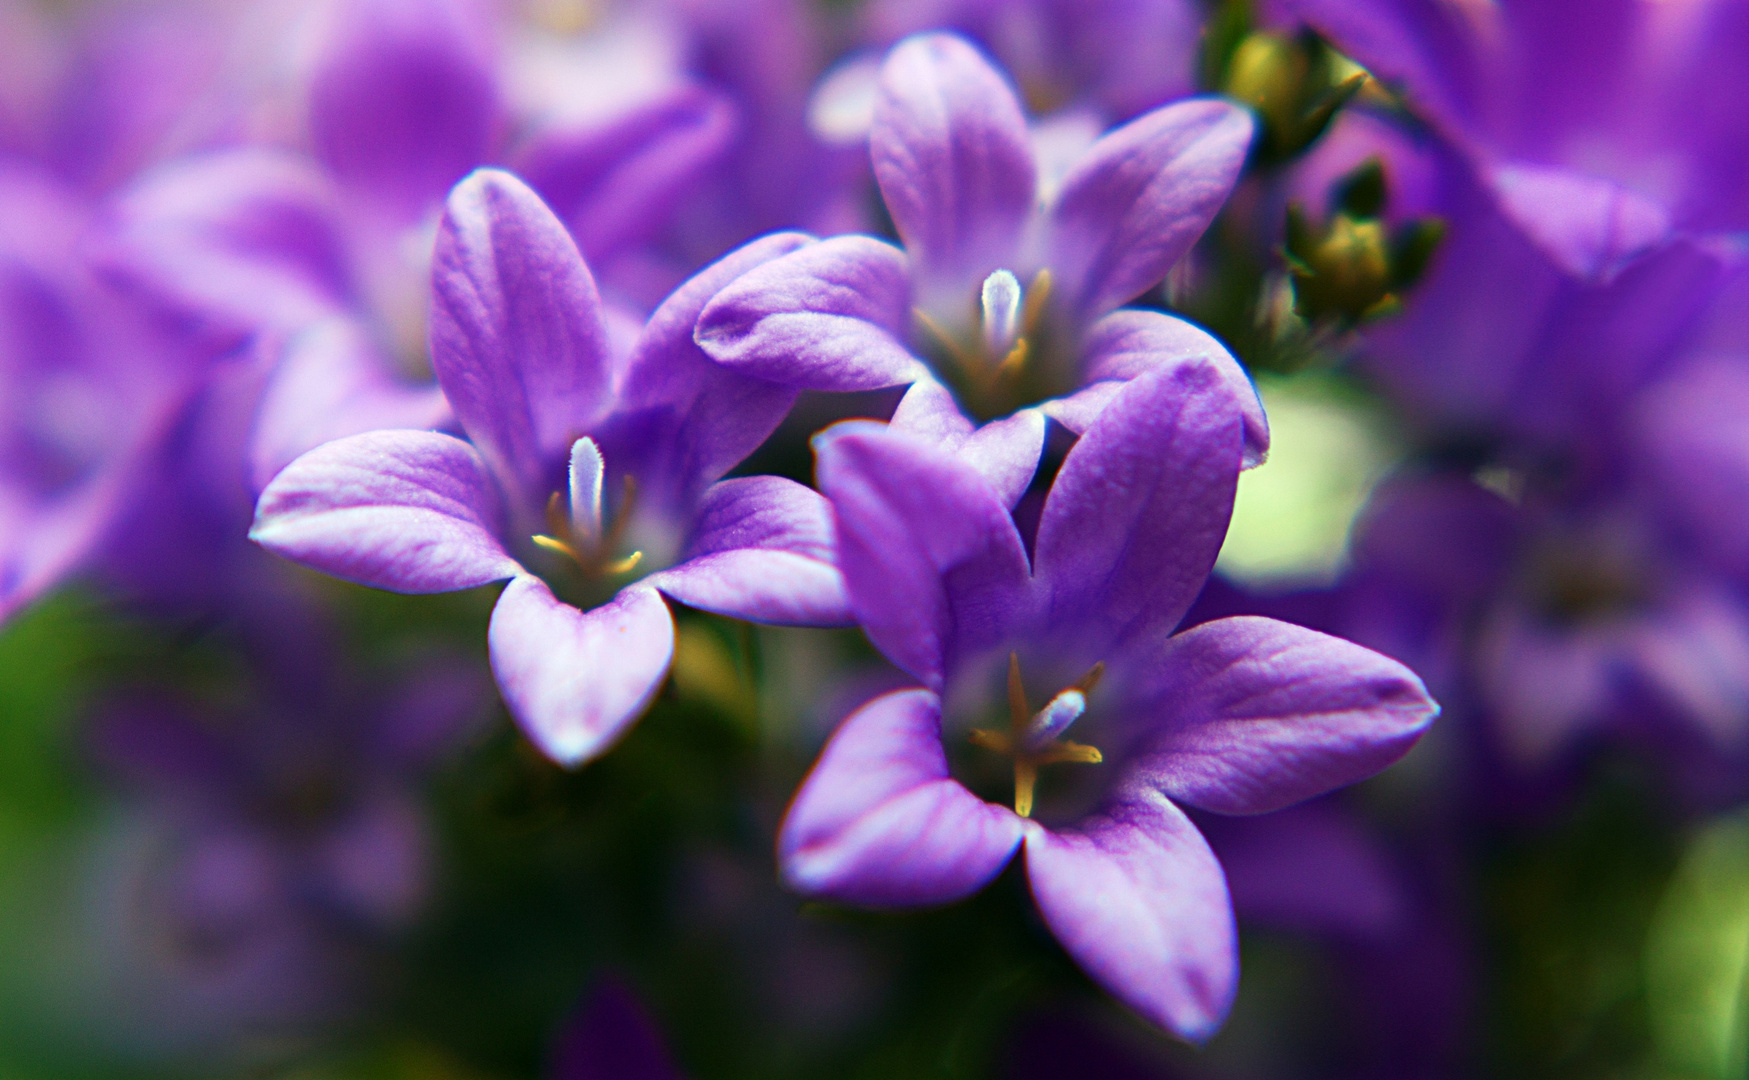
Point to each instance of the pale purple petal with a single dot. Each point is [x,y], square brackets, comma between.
[1137,898]
[1141,198]
[1588,226]
[831,316]
[879,822]
[1693,652]
[684,420]
[951,154]
[574,680]
[409,511]
[233,241]
[403,101]
[931,557]
[616,183]
[331,382]
[1132,525]
[763,550]
[1005,451]
[517,338]
[1248,715]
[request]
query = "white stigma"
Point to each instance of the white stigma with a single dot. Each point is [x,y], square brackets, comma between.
[1001,301]
[586,472]
[1054,719]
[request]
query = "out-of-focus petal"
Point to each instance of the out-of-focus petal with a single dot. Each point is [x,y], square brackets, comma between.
[616,183]
[1588,226]
[763,551]
[402,100]
[880,823]
[332,382]
[1141,198]
[1136,897]
[830,316]
[517,338]
[409,511]
[951,154]
[574,680]
[934,564]
[1248,715]
[1132,525]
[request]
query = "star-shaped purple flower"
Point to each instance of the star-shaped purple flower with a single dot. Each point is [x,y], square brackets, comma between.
[599,476]
[1016,648]
[1007,282]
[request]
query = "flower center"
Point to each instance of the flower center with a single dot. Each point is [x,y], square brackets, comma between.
[580,535]
[992,366]
[1032,737]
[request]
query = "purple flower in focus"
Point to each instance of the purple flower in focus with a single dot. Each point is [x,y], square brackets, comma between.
[1006,284]
[1016,649]
[601,474]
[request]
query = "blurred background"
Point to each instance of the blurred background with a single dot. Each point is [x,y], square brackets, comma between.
[1485,266]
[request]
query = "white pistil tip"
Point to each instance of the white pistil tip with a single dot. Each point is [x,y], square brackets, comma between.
[1001,302]
[1055,718]
[586,472]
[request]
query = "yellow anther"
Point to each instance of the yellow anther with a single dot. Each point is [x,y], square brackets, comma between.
[620,566]
[551,544]
[1025,778]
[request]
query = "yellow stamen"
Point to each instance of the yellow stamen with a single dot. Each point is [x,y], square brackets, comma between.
[620,566]
[1012,743]
[551,544]
[940,334]
[1036,295]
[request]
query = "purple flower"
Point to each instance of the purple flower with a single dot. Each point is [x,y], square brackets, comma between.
[600,473]
[1599,127]
[87,389]
[1122,56]
[1016,649]
[1006,284]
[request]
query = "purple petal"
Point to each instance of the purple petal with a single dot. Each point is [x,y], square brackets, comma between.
[331,382]
[879,822]
[409,511]
[1005,451]
[931,557]
[762,550]
[1135,518]
[1588,226]
[1125,344]
[617,183]
[685,420]
[403,100]
[234,241]
[1693,431]
[1251,715]
[1139,200]
[612,1037]
[1694,653]
[1137,898]
[951,154]
[517,337]
[831,316]
[574,680]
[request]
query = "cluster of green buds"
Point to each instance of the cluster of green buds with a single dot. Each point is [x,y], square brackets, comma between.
[1295,83]
[1353,268]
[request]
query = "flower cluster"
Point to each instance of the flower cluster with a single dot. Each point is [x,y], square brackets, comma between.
[832,421]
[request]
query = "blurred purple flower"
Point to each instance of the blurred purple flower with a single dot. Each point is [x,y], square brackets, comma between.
[275,840]
[1120,56]
[1006,283]
[87,388]
[612,1037]
[1237,716]
[598,469]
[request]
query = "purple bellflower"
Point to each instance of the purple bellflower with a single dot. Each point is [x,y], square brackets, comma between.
[601,474]
[1119,56]
[328,253]
[1006,286]
[1017,650]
